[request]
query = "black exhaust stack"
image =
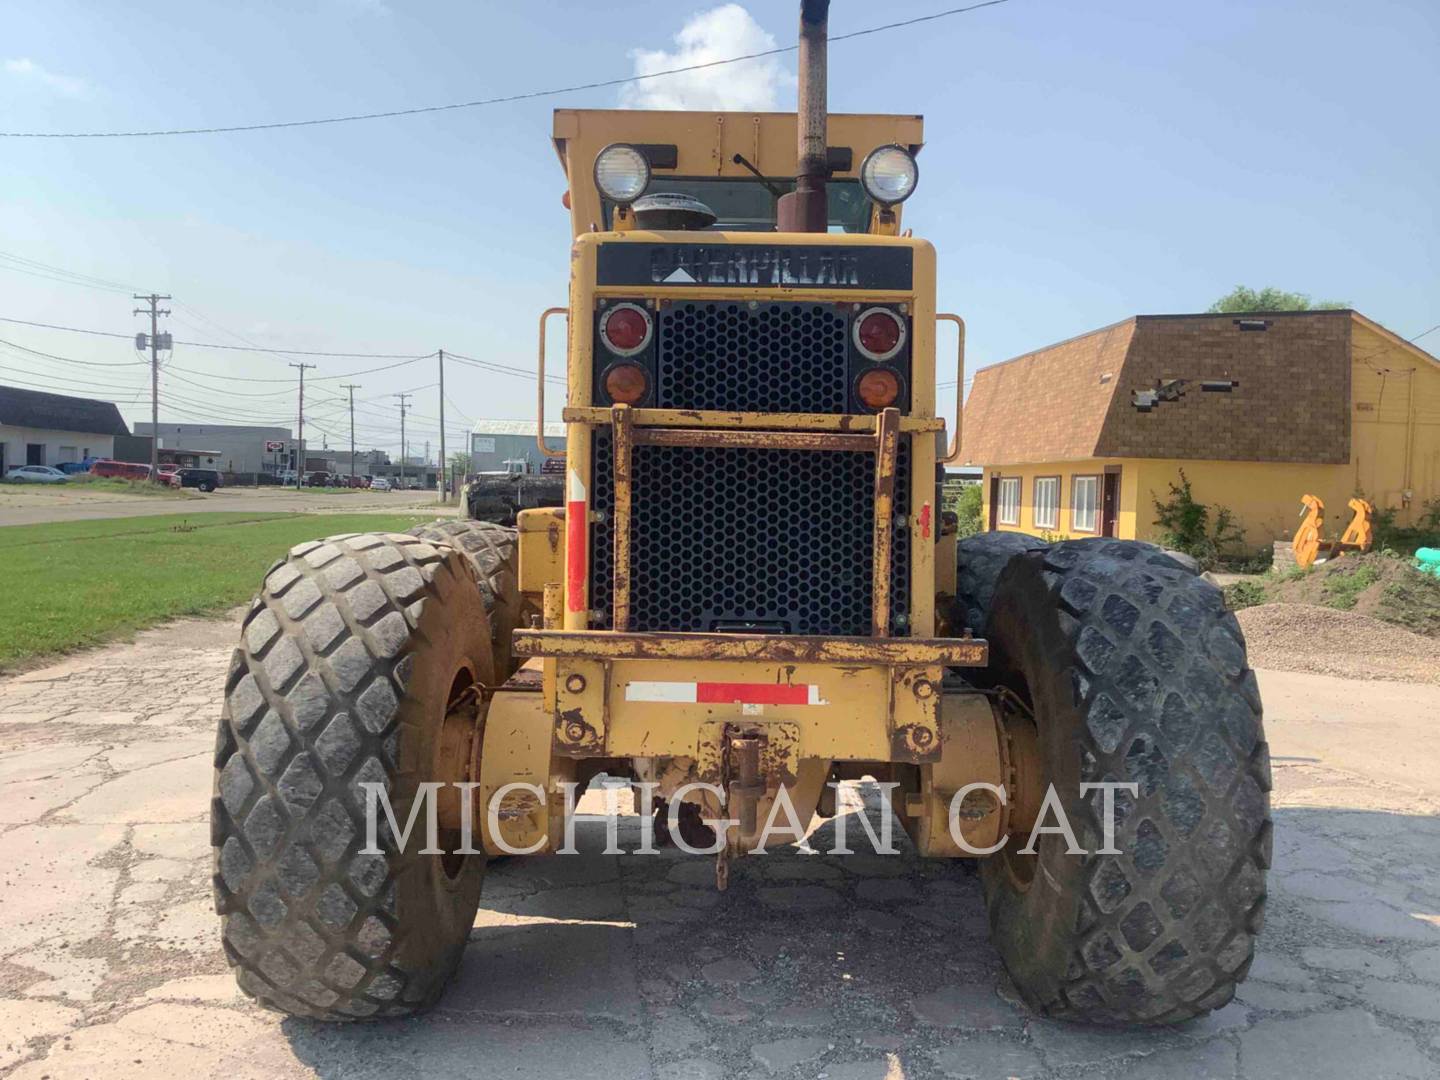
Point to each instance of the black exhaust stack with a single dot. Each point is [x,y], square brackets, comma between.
[806,208]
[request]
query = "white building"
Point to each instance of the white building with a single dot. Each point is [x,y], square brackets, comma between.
[37,428]
[236,448]
[494,442]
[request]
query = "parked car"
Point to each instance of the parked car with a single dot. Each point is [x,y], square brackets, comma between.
[204,479]
[169,475]
[317,479]
[36,474]
[379,483]
[120,470]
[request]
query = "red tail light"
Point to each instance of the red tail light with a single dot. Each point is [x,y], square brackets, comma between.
[879,334]
[625,329]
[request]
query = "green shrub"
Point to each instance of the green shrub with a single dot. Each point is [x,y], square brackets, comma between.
[1407,539]
[967,508]
[1343,589]
[1185,526]
[1243,594]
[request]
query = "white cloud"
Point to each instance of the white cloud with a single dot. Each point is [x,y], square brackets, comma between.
[717,34]
[64,85]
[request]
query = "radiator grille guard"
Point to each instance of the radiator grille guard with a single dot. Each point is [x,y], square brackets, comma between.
[734,357]
[770,541]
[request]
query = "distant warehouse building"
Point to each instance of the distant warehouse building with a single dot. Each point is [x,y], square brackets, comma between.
[234,448]
[37,428]
[1082,438]
[494,442]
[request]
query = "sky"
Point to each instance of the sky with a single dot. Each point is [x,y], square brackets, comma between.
[1084,161]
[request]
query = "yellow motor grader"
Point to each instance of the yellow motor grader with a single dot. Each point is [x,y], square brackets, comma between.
[749,595]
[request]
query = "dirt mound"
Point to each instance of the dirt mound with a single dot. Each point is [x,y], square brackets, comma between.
[1385,587]
[1304,637]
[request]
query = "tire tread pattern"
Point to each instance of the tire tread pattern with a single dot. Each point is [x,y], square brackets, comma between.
[1164,931]
[309,923]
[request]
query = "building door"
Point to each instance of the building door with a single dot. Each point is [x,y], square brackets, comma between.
[994,502]
[1110,503]
[34,453]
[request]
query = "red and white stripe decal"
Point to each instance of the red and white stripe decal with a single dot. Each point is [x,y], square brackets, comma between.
[576,534]
[725,693]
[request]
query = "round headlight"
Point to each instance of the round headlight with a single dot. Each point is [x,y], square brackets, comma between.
[621,173]
[889,174]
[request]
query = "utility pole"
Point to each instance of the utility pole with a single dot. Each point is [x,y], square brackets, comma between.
[154,312]
[444,488]
[352,387]
[402,398]
[300,459]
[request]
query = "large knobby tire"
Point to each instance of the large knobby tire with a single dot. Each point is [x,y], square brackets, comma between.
[979,560]
[348,662]
[1134,671]
[491,549]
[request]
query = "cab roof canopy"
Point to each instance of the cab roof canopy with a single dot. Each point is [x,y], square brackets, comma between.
[697,144]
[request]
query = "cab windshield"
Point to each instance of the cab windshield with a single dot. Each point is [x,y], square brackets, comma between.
[743,205]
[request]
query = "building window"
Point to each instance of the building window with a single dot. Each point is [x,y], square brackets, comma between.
[1085,504]
[1047,502]
[1009,503]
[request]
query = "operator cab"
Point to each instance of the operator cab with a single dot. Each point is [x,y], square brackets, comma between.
[738,166]
[749,202]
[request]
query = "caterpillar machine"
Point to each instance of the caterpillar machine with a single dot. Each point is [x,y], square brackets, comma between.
[749,594]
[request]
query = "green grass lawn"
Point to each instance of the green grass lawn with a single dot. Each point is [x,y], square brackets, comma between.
[75,583]
[120,486]
[114,485]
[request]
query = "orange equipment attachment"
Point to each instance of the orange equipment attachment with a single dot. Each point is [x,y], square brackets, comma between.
[1358,536]
[1306,544]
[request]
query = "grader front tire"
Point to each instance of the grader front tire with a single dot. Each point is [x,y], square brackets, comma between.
[1134,672]
[350,661]
[491,550]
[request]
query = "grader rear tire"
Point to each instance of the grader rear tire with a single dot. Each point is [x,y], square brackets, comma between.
[351,659]
[1133,671]
[979,560]
[491,549]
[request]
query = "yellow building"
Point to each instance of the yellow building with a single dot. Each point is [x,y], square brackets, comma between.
[1081,438]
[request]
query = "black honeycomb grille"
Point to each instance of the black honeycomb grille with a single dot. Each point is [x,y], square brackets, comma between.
[723,537]
[790,357]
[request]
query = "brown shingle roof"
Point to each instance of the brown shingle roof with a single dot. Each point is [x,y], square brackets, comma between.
[1285,393]
[1049,405]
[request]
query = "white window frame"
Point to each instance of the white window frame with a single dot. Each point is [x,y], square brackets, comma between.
[1047,510]
[1007,510]
[1085,513]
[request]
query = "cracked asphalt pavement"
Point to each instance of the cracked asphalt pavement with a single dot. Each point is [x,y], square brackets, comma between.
[848,968]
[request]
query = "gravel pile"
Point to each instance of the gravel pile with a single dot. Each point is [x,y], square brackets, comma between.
[1301,637]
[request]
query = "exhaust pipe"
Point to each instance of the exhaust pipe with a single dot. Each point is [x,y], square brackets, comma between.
[806,208]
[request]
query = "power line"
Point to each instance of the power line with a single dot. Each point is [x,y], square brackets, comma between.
[1422,333]
[76,278]
[66,359]
[317,378]
[497,368]
[503,99]
[235,348]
